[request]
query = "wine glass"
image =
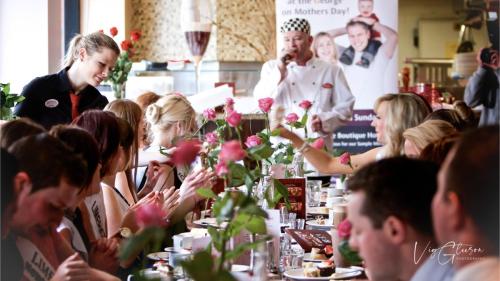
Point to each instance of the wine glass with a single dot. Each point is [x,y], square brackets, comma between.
[196,22]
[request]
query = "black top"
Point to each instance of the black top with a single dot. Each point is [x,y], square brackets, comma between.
[48,102]
[11,261]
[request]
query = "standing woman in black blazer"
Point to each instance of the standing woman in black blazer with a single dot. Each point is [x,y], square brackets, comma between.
[59,98]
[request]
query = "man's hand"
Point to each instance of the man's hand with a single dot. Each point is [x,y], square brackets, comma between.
[285,57]
[316,124]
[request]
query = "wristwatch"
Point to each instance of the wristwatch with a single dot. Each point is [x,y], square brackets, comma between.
[125,232]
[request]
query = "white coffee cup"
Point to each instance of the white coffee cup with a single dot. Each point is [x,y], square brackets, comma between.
[331,201]
[183,240]
[335,192]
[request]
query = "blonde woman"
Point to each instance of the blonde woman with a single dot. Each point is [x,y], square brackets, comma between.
[171,119]
[324,48]
[417,138]
[60,98]
[394,113]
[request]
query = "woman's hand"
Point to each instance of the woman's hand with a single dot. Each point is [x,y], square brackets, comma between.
[171,201]
[195,180]
[103,255]
[73,268]
[154,171]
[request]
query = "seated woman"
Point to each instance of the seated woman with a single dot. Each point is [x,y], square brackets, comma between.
[394,114]
[170,119]
[417,138]
[44,192]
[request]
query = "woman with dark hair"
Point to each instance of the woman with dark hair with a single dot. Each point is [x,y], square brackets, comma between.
[15,129]
[104,127]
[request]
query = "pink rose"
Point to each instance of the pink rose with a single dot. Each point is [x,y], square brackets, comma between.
[233,118]
[209,114]
[232,151]
[211,138]
[221,168]
[253,141]
[305,104]
[345,158]
[229,101]
[229,106]
[113,31]
[319,143]
[265,104]
[150,215]
[344,229]
[185,152]
[292,118]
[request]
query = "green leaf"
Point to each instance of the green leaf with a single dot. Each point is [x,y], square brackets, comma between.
[281,189]
[256,225]
[216,238]
[206,192]
[261,152]
[201,267]
[349,254]
[275,132]
[304,119]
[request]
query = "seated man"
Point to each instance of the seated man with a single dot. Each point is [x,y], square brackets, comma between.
[465,208]
[390,212]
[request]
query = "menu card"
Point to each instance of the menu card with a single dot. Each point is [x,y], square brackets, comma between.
[310,238]
[296,195]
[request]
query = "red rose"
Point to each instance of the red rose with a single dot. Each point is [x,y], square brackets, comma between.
[233,118]
[253,141]
[345,158]
[265,104]
[327,86]
[221,169]
[291,118]
[150,215]
[344,229]
[186,152]
[135,36]
[209,114]
[113,31]
[305,104]
[319,143]
[232,151]
[126,45]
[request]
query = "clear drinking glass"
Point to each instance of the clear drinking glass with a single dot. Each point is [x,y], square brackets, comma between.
[291,259]
[313,193]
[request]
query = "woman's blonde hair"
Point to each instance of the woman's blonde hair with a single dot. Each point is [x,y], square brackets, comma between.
[168,111]
[314,47]
[404,110]
[93,42]
[144,100]
[428,132]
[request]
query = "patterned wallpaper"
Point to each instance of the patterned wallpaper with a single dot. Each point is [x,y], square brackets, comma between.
[245,30]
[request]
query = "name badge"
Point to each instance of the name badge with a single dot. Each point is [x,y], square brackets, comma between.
[51,103]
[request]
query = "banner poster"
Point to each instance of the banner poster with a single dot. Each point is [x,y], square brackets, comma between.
[368,57]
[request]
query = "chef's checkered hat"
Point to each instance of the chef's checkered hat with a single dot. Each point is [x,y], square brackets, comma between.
[296,24]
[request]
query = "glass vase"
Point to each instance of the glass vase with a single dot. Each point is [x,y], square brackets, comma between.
[119,90]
